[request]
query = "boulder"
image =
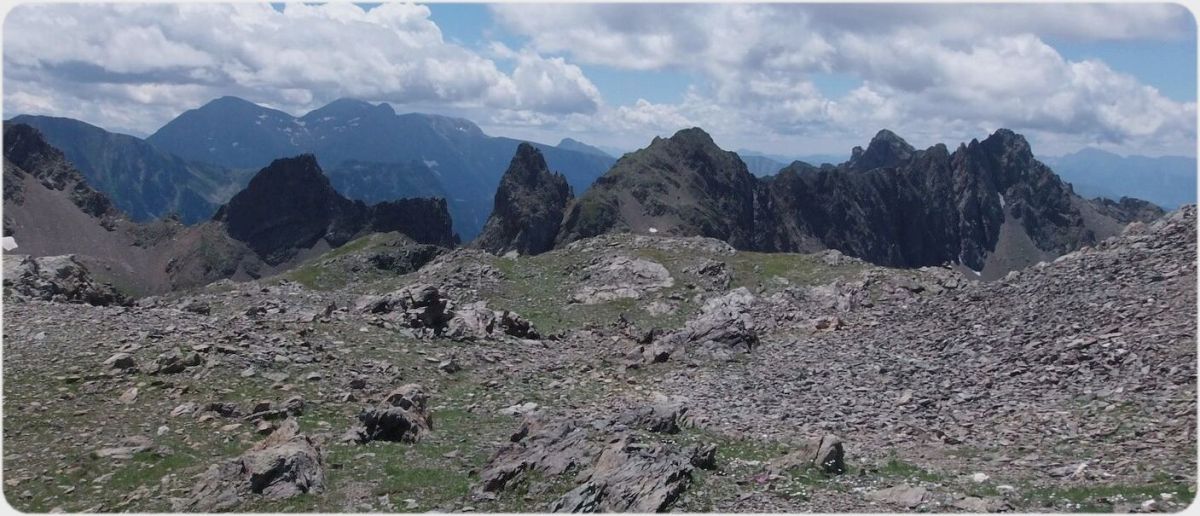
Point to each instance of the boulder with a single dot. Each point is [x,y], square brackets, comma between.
[824,454]
[172,362]
[659,418]
[122,361]
[403,417]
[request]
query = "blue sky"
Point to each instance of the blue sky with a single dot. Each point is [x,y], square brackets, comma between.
[778,78]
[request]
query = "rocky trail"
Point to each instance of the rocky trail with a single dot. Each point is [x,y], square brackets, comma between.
[619,373]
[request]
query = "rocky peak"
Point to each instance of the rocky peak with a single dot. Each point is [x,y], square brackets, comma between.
[290,205]
[528,208]
[693,136]
[885,150]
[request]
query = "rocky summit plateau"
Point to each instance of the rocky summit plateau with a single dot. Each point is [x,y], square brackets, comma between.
[911,330]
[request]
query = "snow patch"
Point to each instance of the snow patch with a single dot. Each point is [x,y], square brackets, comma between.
[1001,196]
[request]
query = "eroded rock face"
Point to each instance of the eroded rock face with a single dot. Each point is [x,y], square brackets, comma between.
[621,277]
[55,278]
[285,464]
[528,208]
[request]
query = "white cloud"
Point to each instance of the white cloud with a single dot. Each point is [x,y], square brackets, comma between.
[935,70]
[137,65]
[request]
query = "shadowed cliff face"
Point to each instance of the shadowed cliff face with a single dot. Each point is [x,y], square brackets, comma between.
[889,204]
[290,205]
[528,208]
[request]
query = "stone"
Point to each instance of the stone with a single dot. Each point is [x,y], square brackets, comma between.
[659,418]
[123,361]
[901,495]
[129,396]
[449,366]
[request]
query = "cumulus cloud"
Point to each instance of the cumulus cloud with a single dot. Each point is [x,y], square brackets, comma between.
[939,70]
[137,65]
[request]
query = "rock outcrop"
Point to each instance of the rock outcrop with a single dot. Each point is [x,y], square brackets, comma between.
[55,278]
[285,464]
[423,307]
[528,208]
[614,470]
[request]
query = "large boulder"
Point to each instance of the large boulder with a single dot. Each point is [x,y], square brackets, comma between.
[422,306]
[415,306]
[613,470]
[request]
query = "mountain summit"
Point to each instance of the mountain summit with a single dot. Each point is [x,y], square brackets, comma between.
[682,185]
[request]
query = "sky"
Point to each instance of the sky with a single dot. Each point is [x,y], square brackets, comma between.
[787,79]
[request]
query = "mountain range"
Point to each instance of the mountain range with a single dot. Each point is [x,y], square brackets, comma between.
[1168,181]
[988,207]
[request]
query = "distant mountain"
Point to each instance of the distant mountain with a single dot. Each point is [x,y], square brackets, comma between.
[815,159]
[378,182]
[988,206]
[1169,181]
[144,182]
[578,146]
[761,166]
[467,163]
[528,208]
